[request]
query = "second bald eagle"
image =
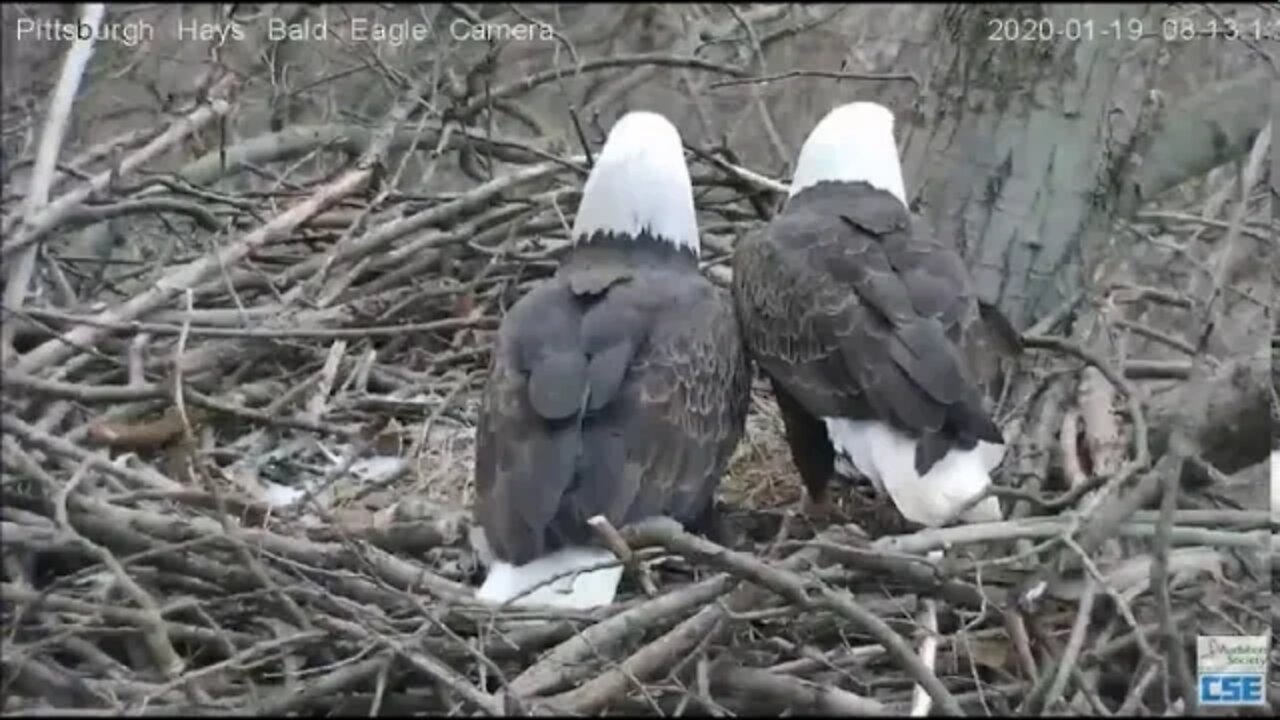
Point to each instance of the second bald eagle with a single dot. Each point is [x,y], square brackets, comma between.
[858,319]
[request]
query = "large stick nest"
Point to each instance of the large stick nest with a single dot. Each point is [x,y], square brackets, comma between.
[252,496]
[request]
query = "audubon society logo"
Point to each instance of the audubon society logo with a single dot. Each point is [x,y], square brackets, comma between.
[1232,669]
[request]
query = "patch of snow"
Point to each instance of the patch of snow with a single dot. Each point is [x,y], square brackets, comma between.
[278,495]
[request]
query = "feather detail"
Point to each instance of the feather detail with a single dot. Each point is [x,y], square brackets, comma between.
[887,458]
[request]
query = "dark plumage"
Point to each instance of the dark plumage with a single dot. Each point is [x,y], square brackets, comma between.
[620,386]
[860,320]
[624,402]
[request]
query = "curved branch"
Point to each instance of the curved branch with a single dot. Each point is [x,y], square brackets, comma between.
[546,76]
[1212,127]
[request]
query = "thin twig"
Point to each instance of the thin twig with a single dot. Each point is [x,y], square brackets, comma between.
[828,74]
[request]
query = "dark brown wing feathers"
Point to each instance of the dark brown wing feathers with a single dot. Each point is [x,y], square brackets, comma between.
[625,403]
[556,388]
[859,317]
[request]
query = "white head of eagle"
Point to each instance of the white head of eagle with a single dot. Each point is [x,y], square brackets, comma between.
[640,184]
[853,143]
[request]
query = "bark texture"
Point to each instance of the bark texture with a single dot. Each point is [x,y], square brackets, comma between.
[1016,146]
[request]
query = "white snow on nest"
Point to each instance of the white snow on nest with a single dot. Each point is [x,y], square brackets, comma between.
[377,468]
[278,495]
[448,444]
[374,469]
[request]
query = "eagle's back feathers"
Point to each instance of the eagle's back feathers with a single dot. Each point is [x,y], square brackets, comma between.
[659,380]
[864,321]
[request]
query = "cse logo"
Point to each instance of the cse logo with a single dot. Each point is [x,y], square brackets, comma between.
[1231,689]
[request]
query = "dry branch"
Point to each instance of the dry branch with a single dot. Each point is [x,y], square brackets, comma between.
[243,440]
[19,275]
[53,214]
[756,691]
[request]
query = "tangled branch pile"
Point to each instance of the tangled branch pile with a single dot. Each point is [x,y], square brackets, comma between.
[238,481]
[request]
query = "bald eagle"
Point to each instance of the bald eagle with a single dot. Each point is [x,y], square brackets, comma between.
[617,388]
[858,320]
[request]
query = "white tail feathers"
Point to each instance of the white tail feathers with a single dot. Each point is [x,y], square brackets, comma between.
[887,458]
[986,511]
[581,591]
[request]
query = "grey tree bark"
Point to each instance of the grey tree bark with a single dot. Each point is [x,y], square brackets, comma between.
[1027,151]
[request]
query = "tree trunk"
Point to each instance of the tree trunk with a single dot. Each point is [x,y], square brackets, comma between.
[1023,150]
[1004,153]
